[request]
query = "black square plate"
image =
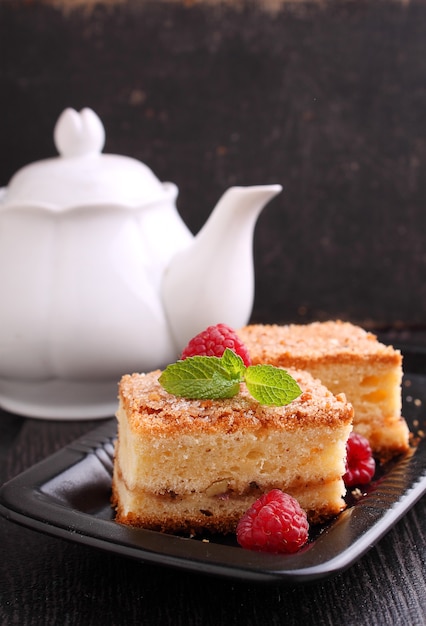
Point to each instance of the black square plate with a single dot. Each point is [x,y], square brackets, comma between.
[67,495]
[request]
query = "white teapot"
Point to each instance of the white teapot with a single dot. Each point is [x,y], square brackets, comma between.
[99,276]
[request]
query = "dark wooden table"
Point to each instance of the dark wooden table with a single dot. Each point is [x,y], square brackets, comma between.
[50,581]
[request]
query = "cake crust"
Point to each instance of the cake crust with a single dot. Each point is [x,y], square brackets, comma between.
[331,342]
[153,410]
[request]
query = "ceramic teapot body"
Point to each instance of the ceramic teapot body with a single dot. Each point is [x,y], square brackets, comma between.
[90,285]
[81,304]
[77,276]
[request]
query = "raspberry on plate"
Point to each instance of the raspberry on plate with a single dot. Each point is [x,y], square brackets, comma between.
[360,464]
[274,523]
[212,342]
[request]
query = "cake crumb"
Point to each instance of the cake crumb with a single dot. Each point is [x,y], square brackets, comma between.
[356,493]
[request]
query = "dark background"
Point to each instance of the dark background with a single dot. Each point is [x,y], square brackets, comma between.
[326,98]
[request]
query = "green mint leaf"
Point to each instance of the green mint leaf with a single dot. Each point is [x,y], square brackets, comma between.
[271,385]
[210,378]
[233,364]
[200,377]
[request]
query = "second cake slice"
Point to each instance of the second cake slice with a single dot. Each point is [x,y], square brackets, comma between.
[347,359]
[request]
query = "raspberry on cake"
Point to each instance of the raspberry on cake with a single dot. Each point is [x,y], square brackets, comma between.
[348,360]
[214,340]
[194,465]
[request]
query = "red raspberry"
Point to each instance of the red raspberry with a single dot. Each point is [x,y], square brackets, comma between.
[214,340]
[360,464]
[274,523]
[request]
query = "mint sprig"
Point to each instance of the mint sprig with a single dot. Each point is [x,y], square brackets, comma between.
[211,377]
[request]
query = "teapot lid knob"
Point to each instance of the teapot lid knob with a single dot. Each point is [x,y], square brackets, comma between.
[79,134]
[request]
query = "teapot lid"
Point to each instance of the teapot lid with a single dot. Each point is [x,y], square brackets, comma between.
[81,175]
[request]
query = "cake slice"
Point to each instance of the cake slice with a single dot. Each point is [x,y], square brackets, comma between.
[195,465]
[347,359]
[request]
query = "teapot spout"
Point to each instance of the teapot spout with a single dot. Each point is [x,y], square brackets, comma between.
[212,280]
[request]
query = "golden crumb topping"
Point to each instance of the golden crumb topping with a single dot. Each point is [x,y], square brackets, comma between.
[331,342]
[149,408]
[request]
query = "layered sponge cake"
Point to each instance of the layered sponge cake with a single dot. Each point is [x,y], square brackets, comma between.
[192,465]
[346,359]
